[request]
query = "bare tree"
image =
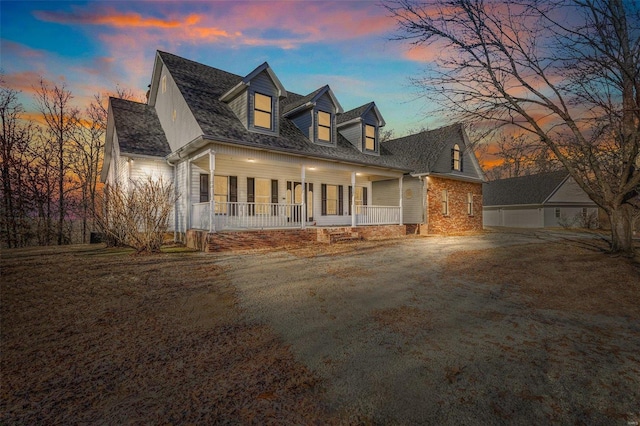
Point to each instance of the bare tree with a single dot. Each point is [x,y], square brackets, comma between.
[61,119]
[15,136]
[565,71]
[519,155]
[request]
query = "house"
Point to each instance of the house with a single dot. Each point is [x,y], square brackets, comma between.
[244,153]
[537,201]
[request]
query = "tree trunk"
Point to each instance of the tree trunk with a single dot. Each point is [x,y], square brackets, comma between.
[621,232]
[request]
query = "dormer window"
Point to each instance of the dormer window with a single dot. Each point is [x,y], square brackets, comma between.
[324,126]
[369,137]
[262,111]
[456,160]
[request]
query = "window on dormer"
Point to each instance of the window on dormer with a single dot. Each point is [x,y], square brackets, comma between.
[456,163]
[369,137]
[324,126]
[262,111]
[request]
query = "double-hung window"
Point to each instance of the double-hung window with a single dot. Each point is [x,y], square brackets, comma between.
[221,193]
[324,126]
[369,137]
[204,188]
[470,203]
[332,202]
[360,198]
[262,195]
[262,111]
[456,159]
[445,202]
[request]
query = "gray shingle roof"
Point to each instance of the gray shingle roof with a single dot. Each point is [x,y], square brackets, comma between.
[420,151]
[293,102]
[138,128]
[202,86]
[532,189]
[354,113]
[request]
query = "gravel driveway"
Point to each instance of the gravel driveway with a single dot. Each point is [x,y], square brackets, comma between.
[398,341]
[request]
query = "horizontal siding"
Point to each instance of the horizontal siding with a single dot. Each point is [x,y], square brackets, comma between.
[570,192]
[370,117]
[412,204]
[353,133]
[240,108]
[386,193]
[304,122]
[184,128]
[262,84]
[143,169]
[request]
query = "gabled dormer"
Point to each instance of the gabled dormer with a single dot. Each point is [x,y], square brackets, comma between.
[361,126]
[255,100]
[315,115]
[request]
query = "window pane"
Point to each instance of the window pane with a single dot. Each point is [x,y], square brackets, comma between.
[220,186]
[370,144]
[324,133]
[359,195]
[263,103]
[262,195]
[262,119]
[332,207]
[332,199]
[370,131]
[456,157]
[324,119]
[220,191]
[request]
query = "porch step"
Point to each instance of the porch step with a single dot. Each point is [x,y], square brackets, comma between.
[337,237]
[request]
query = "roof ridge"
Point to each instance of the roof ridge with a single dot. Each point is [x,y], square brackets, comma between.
[424,132]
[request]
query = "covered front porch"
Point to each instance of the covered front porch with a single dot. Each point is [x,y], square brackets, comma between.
[230,188]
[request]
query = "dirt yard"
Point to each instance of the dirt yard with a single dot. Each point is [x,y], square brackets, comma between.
[518,328]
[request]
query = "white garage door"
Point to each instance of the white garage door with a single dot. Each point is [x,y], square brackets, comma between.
[491,217]
[522,218]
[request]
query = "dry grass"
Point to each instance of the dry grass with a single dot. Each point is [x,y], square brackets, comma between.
[404,320]
[569,276]
[92,335]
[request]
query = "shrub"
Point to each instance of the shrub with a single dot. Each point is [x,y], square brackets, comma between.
[137,217]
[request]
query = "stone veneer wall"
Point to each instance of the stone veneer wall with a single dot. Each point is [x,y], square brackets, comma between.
[458,220]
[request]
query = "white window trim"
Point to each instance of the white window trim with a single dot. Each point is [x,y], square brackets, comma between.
[445,202]
[375,137]
[271,115]
[330,127]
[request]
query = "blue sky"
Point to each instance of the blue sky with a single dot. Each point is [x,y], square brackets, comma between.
[94,46]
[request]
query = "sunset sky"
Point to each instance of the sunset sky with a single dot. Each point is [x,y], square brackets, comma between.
[94,46]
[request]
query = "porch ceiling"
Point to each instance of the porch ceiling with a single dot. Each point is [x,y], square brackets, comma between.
[311,166]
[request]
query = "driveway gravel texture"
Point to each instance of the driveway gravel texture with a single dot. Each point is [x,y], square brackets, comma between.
[412,331]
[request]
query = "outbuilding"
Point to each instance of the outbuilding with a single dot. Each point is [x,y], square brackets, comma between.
[538,201]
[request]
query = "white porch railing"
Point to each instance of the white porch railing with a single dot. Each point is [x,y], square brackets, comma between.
[377,215]
[245,215]
[262,216]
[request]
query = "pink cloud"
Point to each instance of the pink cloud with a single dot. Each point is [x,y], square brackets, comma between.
[113,18]
[10,48]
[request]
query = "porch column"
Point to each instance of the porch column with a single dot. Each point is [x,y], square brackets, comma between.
[353,199]
[400,189]
[212,170]
[303,213]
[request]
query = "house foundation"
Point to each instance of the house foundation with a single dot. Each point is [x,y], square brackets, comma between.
[271,238]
